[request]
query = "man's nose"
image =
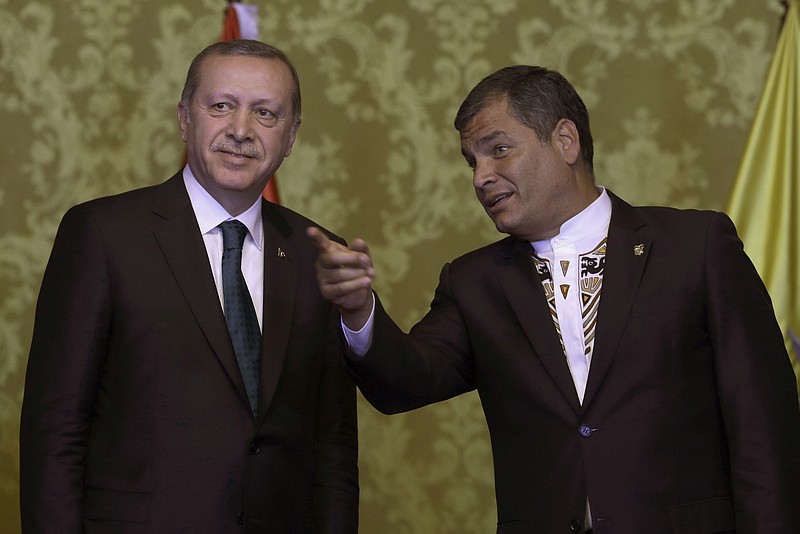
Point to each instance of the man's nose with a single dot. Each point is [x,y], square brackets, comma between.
[240,126]
[482,174]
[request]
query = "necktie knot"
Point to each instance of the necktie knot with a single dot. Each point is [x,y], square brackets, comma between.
[233,234]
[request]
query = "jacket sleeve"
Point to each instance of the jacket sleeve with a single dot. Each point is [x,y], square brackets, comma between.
[757,388]
[434,362]
[70,332]
[336,489]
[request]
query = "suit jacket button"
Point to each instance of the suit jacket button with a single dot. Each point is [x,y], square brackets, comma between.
[240,518]
[254,447]
[585,431]
[575,526]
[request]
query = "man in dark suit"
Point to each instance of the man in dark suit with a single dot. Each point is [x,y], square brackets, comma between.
[143,409]
[628,360]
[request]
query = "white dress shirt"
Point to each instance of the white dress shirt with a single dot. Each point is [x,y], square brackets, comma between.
[575,259]
[210,214]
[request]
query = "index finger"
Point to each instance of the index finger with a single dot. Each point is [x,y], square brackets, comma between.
[318,238]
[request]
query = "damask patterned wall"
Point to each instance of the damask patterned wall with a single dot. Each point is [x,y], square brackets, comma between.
[88,90]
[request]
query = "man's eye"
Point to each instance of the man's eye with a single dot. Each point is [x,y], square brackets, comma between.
[220,106]
[266,117]
[500,149]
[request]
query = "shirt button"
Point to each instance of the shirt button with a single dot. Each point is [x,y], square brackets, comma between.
[575,525]
[240,518]
[254,447]
[585,431]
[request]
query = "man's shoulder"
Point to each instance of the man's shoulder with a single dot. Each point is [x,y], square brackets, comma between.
[288,215]
[671,212]
[117,203]
[682,222]
[135,208]
[289,222]
[498,251]
[659,217]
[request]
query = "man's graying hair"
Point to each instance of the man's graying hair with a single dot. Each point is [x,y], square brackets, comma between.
[537,97]
[241,47]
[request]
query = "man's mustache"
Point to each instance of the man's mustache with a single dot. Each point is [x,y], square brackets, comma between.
[248,150]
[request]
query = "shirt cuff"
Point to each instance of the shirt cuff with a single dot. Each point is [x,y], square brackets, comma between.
[360,341]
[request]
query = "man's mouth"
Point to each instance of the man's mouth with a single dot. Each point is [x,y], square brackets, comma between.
[236,154]
[498,199]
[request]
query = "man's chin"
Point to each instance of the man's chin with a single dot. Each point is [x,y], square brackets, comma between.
[498,224]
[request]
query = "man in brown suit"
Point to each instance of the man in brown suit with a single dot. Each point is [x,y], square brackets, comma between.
[137,415]
[630,367]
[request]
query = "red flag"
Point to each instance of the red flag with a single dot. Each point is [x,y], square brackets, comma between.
[271,190]
[230,27]
[241,22]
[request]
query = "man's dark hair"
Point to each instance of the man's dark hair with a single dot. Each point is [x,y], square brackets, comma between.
[537,97]
[241,47]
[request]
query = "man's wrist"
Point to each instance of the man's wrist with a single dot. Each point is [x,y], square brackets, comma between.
[356,320]
[359,341]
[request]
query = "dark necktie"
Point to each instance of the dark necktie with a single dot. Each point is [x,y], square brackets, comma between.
[239,311]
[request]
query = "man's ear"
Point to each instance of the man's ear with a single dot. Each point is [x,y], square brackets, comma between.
[567,140]
[183,119]
[292,137]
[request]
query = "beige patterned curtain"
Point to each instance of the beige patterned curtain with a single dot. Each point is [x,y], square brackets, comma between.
[88,92]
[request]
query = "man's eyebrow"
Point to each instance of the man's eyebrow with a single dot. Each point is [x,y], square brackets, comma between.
[237,98]
[223,95]
[482,142]
[489,138]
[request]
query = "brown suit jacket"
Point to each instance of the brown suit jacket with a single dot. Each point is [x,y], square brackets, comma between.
[135,417]
[690,420]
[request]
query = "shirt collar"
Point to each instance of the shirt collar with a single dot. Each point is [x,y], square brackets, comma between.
[210,213]
[593,220]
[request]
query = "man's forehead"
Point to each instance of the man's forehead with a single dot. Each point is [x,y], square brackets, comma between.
[246,65]
[492,112]
[231,74]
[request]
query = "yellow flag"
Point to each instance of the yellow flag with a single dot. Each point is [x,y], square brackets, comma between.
[765,202]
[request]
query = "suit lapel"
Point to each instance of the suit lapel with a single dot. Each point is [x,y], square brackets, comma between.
[523,289]
[627,251]
[183,248]
[280,287]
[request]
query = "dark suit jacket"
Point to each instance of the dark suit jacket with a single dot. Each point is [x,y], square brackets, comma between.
[135,417]
[690,421]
